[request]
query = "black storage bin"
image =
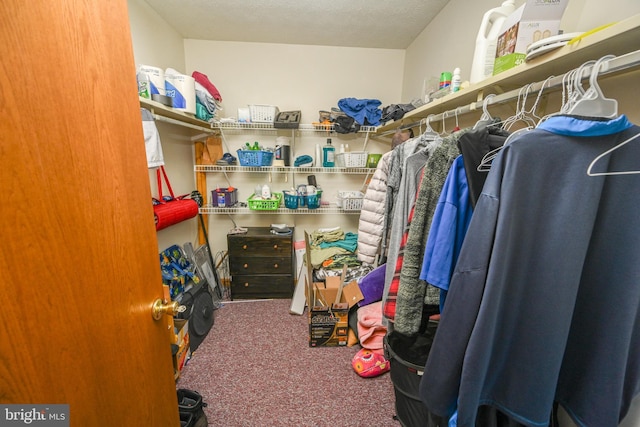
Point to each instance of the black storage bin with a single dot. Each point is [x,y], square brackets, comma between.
[406,376]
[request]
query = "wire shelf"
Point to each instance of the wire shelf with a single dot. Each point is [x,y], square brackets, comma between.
[269,126]
[331,209]
[281,169]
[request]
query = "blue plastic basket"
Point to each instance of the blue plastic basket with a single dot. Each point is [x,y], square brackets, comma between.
[313,201]
[255,157]
[290,200]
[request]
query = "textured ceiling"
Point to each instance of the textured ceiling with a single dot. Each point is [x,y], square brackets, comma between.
[349,23]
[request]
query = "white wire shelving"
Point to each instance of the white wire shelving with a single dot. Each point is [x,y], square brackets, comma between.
[281,169]
[331,209]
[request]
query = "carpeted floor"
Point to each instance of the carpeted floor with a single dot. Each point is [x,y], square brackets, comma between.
[255,368]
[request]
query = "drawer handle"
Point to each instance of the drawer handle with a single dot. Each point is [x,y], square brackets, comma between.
[246,285]
[275,265]
[275,246]
[244,247]
[246,266]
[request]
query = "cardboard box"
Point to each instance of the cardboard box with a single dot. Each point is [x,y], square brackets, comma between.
[329,305]
[181,330]
[533,21]
[181,356]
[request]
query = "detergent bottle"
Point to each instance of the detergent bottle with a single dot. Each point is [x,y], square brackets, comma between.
[487,39]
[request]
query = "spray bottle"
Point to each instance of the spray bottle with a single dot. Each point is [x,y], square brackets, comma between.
[487,39]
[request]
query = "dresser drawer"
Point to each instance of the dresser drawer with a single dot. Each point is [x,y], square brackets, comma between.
[260,265]
[260,246]
[243,287]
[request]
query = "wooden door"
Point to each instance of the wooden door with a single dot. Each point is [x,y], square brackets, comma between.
[79,258]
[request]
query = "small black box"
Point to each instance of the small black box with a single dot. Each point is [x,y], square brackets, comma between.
[287,120]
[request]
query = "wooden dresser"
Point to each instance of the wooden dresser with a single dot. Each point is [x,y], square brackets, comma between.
[261,264]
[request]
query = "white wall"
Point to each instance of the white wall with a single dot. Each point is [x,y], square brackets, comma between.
[293,77]
[157,44]
[296,77]
[449,40]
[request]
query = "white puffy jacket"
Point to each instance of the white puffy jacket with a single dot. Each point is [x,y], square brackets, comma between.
[371,222]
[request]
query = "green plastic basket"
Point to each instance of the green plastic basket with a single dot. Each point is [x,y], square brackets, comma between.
[257,204]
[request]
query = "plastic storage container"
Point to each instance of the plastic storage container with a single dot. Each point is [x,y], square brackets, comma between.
[224,197]
[255,157]
[263,113]
[372,160]
[290,199]
[352,159]
[406,376]
[485,54]
[257,203]
[350,200]
[313,200]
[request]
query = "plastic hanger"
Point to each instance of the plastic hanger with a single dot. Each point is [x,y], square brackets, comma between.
[529,117]
[486,117]
[608,152]
[430,136]
[593,103]
[429,133]
[575,91]
[567,91]
[521,114]
[457,127]
[443,132]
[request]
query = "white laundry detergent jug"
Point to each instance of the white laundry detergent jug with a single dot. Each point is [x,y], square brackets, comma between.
[487,39]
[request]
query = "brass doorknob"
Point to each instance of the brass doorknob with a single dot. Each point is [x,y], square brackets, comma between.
[161,307]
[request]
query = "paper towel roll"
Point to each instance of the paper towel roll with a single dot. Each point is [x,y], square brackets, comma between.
[182,89]
[156,78]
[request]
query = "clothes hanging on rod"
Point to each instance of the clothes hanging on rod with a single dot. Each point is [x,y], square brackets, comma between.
[411,291]
[395,189]
[406,194]
[448,229]
[543,302]
[473,146]
[372,215]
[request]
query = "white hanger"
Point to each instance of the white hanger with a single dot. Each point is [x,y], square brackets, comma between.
[486,116]
[430,136]
[429,132]
[575,91]
[444,130]
[593,103]
[567,92]
[608,152]
[528,116]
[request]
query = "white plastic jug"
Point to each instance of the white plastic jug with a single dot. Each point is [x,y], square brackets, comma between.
[487,39]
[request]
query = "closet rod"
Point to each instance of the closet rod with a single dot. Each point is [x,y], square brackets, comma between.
[619,63]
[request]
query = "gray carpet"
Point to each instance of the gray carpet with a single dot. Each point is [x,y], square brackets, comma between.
[255,368]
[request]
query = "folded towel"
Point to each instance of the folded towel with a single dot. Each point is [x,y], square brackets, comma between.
[303,160]
[204,81]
